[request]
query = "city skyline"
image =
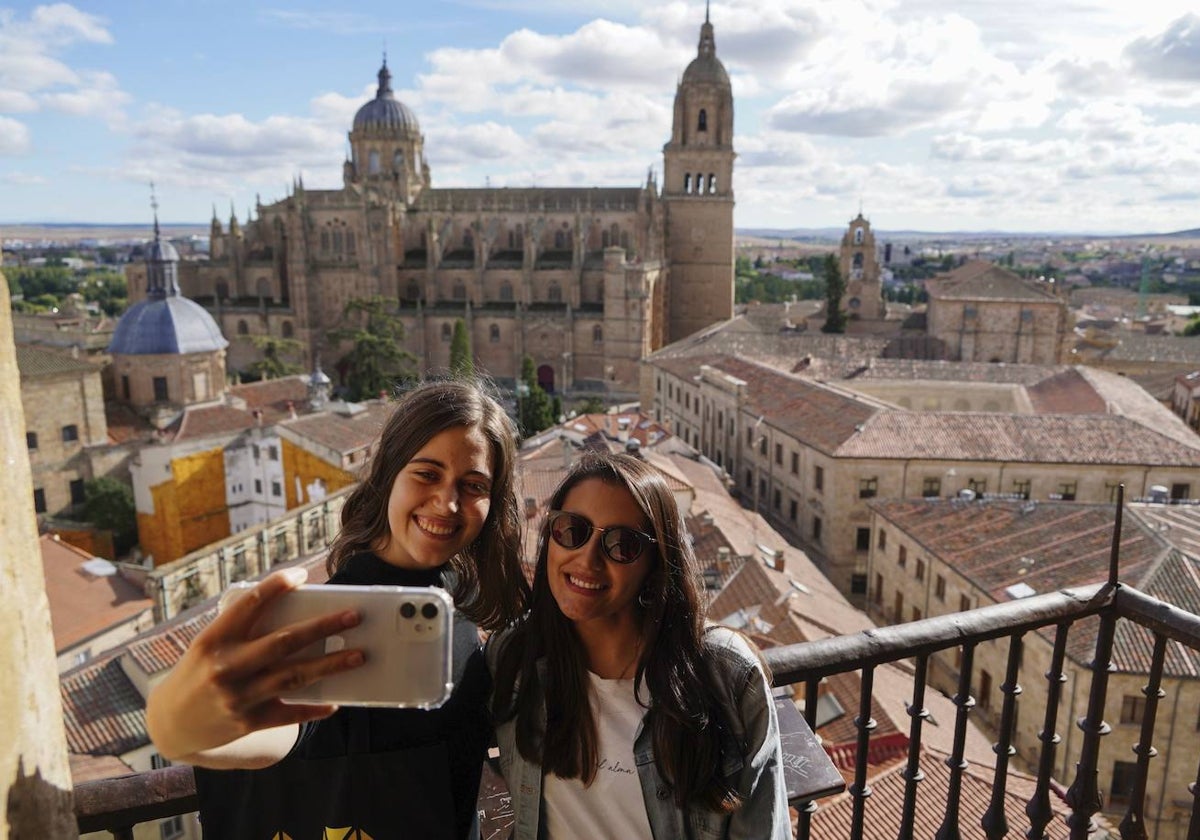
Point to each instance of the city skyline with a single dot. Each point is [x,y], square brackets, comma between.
[929,115]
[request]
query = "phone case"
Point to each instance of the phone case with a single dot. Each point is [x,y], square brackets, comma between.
[405,632]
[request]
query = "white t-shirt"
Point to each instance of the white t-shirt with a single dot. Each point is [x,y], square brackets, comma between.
[612,808]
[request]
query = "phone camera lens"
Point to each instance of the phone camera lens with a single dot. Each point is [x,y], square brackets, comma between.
[429,611]
[408,610]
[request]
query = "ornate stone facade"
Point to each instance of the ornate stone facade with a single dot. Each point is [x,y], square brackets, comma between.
[585,280]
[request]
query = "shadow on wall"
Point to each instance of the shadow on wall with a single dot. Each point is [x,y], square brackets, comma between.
[36,809]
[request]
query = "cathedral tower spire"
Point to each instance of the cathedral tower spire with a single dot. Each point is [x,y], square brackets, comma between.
[698,193]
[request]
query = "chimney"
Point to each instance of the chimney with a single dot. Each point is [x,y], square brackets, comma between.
[257,417]
[778,564]
[291,407]
[723,559]
[530,507]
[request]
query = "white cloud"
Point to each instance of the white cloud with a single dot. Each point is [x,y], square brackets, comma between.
[1173,55]
[14,137]
[22,179]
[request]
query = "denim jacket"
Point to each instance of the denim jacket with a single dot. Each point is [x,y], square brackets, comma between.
[754,763]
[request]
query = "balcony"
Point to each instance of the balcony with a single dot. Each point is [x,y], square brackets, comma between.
[1110,610]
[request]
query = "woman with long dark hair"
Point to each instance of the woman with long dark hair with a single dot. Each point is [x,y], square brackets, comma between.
[435,508]
[620,712]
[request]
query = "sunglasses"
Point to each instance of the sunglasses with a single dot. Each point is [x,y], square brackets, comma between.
[621,544]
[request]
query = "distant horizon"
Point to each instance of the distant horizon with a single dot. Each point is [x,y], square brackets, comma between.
[752,231]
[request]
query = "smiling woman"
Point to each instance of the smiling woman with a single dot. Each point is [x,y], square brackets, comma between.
[620,713]
[436,507]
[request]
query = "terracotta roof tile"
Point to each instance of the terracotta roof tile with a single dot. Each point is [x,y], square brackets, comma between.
[341,432]
[81,603]
[979,280]
[36,363]
[102,710]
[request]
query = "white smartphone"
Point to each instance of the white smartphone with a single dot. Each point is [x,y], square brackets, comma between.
[405,632]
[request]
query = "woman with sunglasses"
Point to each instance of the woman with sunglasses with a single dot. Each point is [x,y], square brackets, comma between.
[619,712]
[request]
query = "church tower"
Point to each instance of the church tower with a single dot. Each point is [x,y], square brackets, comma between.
[859,265]
[698,194]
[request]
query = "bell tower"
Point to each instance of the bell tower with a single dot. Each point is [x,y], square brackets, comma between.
[698,194]
[859,264]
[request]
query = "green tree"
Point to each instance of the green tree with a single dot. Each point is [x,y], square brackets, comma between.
[108,503]
[462,364]
[1193,327]
[835,288]
[107,288]
[534,408]
[378,359]
[278,357]
[591,405]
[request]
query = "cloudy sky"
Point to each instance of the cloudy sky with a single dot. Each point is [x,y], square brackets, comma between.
[1026,115]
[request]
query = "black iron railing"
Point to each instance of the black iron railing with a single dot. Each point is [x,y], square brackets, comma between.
[116,805]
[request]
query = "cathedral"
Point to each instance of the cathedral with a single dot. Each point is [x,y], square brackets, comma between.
[584,280]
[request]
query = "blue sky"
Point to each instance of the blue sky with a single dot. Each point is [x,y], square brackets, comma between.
[1028,115]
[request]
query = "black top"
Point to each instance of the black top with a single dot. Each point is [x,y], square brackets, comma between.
[408,772]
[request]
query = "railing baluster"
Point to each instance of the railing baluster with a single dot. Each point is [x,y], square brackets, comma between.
[860,790]
[1084,794]
[994,822]
[806,811]
[949,829]
[912,773]
[1038,808]
[1133,827]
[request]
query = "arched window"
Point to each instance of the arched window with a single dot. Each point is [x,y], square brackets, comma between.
[702,124]
[325,241]
[445,332]
[414,291]
[373,162]
[597,334]
[286,329]
[494,333]
[555,293]
[350,242]
[512,240]
[699,183]
[605,239]
[560,240]
[624,240]
[242,328]
[337,241]
[460,291]
[858,235]
[712,183]
[398,161]
[506,291]
[858,259]
[223,291]
[468,239]
[687,182]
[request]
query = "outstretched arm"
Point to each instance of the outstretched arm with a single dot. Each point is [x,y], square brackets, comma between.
[219,706]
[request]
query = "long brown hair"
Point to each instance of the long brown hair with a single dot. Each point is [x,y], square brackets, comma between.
[684,715]
[489,586]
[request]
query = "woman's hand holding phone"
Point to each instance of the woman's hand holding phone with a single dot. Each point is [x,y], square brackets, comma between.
[227,684]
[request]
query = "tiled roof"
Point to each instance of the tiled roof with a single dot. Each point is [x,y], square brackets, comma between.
[211,421]
[933,371]
[818,415]
[82,604]
[1066,392]
[1047,439]
[271,397]
[978,280]
[102,710]
[158,651]
[834,817]
[341,432]
[565,198]
[1057,545]
[34,363]
[89,768]
[1138,347]
[985,541]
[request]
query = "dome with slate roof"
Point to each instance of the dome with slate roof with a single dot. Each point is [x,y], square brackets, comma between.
[165,322]
[385,112]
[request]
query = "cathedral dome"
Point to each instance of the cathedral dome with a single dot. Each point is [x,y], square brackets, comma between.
[170,324]
[385,112]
